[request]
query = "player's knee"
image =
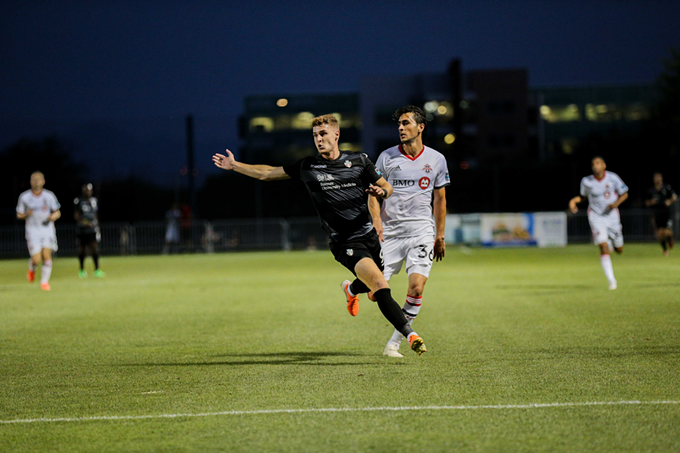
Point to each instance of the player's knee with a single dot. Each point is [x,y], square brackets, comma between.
[416,290]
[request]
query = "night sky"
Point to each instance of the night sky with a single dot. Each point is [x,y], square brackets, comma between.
[133,70]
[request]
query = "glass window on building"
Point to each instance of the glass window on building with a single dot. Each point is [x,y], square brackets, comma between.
[613,112]
[261,124]
[351,147]
[560,113]
[302,120]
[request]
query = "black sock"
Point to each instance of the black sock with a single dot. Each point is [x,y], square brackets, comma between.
[95,258]
[392,311]
[358,287]
[81,258]
[663,245]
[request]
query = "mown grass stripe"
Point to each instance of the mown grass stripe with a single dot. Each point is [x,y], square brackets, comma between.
[334,409]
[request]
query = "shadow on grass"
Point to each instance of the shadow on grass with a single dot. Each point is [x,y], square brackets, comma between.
[276,358]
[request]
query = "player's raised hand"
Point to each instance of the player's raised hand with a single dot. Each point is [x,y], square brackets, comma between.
[439,249]
[376,191]
[224,162]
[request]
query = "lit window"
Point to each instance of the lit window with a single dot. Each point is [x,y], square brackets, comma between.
[449,139]
[568,145]
[560,113]
[303,120]
[261,123]
[351,147]
[282,102]
[608,112]
[636,112]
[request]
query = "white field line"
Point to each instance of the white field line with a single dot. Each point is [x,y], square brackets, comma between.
[336,409]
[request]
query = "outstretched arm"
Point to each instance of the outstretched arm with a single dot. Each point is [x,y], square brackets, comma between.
[261,172]
[439,206]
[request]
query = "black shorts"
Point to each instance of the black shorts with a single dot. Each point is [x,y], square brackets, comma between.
[662,219]
[350,252]
[87,238]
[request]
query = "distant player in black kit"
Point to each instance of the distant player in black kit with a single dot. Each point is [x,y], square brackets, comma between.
[85,213]
[660,198]
[339,184]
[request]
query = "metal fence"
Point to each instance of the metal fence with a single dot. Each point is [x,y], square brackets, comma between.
[201,237]
[263,234]
[637,226]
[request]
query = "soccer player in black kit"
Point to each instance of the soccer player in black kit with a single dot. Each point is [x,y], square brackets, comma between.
[660,198]
[339,184]
[85,212]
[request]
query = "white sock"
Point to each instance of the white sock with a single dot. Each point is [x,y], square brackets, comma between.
[349,290]
[411,310]
[606,261]
[46,271]
[31,265]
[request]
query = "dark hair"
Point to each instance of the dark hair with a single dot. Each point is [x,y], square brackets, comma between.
[597,156]
[418,114]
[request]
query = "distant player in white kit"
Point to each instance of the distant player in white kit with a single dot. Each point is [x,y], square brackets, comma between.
[39,208]
[605,191]
[405,226]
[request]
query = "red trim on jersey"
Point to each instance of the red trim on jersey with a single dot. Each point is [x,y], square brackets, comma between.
[411,158]
[604,173]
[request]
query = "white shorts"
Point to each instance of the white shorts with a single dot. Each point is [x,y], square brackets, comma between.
[37,242]
[606,227]
[418,252]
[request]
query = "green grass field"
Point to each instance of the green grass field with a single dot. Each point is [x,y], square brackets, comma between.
[208,352]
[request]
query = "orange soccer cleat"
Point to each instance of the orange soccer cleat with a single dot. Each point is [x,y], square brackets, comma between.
[45,286]
[30,276]
[417,344]
[352,301]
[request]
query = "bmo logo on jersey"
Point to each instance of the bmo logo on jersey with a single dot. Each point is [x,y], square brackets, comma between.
[403,183]
[424,182]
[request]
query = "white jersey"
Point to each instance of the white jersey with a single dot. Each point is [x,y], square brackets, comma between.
[603,192]
[408,212]
[43,206]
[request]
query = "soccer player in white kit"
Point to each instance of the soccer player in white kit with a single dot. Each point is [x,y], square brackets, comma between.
[407,230]
[605,191]
[39,208]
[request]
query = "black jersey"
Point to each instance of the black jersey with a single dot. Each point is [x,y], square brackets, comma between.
[88,209]
[661,195]
[338,191]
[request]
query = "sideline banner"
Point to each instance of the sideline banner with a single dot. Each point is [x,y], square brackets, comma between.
[542,229]
[507,230]
[550,229]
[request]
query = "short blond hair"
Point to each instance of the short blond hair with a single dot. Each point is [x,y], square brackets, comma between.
[325,119]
